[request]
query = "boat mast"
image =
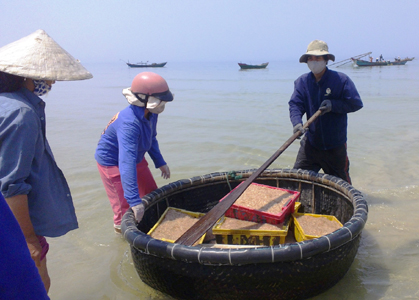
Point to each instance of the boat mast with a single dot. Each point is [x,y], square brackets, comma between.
[348,60]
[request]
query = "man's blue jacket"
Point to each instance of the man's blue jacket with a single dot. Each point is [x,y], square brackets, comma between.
[329,130]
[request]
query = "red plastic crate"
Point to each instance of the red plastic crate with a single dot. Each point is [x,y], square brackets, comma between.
[259,216]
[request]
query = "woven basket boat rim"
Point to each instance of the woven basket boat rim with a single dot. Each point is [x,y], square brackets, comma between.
[300,250]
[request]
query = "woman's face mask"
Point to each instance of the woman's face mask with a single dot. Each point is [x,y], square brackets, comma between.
[155,105]
[316,66]
[41,87]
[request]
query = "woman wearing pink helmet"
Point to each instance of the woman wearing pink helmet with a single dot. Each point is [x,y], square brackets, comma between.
[128,136]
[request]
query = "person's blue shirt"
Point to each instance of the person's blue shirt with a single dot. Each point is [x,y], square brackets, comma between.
[330,130]
[124,142]
[19,277]
[28,167]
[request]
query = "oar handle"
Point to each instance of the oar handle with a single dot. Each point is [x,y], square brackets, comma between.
[207,221]
[311,120]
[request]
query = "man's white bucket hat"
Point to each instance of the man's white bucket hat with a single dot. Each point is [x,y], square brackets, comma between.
[317,48]
[37,56]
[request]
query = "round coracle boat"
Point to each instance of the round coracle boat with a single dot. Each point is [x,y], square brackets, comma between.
[296,270]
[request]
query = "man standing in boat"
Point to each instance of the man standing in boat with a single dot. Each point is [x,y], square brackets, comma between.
[334,93]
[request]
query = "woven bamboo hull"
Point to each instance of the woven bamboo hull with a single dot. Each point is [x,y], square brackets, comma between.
[290,271]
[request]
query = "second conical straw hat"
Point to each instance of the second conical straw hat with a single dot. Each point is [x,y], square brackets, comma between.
[38,56]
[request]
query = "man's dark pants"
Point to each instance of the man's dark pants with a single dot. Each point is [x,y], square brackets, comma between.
[333,162]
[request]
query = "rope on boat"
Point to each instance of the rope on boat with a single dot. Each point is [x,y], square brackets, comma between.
[233,176]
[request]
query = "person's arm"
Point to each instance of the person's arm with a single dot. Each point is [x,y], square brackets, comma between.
[296,103]
[154,151]
[19,206]
[350,100]
[20,132]
[156,155]
[128,140]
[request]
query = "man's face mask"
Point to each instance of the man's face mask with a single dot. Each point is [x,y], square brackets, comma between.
[316,66]
[41,87]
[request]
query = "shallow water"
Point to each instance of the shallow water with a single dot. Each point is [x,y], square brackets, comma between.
[224,119]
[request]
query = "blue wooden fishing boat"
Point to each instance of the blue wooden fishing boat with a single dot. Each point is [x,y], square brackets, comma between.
[247,66]
[146,65]
[365,63]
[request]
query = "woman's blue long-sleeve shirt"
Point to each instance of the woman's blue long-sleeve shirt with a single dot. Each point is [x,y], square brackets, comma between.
[329,130]
[124,142]
[28,167]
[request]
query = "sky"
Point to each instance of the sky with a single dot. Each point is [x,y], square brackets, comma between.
[215,30]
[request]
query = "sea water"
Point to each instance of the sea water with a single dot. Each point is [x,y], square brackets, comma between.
[225,119]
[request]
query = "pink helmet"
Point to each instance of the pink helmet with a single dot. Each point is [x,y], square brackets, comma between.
[151,84]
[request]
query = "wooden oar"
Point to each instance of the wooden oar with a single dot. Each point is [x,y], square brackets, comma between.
[207,221]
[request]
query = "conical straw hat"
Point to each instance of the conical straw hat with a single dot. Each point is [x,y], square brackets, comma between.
[38,56]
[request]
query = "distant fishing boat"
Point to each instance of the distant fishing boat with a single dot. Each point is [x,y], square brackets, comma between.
[246,66]
[396,62]
[146,65]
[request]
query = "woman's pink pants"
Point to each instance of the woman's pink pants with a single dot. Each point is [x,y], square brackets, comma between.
[111,179]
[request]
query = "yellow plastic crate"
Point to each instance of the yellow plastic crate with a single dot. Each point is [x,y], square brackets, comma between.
[250,236]
[298,230]
[192,214]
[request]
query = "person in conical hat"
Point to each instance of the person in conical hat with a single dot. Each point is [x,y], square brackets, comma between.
[30,180]
[37,56]
[324,144]
[129,135]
